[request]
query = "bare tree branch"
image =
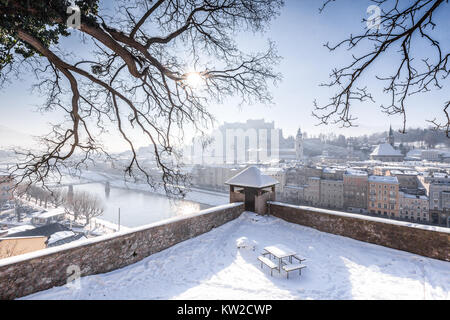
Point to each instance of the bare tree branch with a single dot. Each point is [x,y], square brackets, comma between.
[402,25]
[136,79]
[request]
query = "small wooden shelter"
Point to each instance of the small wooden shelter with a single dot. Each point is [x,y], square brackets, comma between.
[253,188]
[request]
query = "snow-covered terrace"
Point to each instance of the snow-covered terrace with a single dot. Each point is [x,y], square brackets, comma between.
[211,266]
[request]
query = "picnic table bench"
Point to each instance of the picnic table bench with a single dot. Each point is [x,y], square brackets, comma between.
[269,263]
[292,267]
[280,252]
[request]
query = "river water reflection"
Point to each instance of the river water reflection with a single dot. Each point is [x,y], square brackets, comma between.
[138,208]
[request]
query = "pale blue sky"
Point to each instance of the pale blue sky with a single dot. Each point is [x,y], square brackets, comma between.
[299,33]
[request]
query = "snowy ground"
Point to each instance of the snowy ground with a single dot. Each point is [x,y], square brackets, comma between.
[211,267]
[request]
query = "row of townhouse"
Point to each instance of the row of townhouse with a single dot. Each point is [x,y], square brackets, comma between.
[437,186]
[356,191]
[391,191]
[414,207]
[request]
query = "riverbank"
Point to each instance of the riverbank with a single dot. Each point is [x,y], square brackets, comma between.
[205,197]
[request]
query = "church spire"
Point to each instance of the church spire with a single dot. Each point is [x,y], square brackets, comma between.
[390,138]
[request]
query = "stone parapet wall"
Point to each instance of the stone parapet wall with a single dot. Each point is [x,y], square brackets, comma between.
[428,241]
[40,270]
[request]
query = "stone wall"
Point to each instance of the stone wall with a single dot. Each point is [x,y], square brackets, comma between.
[261,202]
[236,197]
[44,269]
[428,241]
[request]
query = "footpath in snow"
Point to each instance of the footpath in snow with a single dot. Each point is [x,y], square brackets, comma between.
[212,267]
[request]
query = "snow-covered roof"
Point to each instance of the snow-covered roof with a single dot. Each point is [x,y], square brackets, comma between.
[21,228]
[415,153]
[354,172]
[384,179]
[272,170]
[439,175]
[60,235]
[252,177]
[412,196]
[385,149]
[50,213]
[410,172]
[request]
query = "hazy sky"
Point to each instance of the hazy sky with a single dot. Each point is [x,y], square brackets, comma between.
[299,33]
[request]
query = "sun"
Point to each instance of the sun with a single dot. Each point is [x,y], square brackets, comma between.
[194,79]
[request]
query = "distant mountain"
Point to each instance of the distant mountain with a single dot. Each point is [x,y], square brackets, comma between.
[428,136]
[10,138]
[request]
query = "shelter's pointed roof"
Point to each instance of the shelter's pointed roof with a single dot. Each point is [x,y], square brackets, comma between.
[253,178]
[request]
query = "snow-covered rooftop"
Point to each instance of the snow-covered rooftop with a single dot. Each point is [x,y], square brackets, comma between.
[21,228]
[384,179]
[271,170]
[59,236]
[410,172]
[211,266]
[385,149]
[355,172]
[412,196]
[415,153]
[439,175]
[50,213]
[252,177]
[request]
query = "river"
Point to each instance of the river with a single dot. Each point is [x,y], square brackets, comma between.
[138,208]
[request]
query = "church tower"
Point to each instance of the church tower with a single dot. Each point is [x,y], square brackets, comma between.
[390,138]
[299,145]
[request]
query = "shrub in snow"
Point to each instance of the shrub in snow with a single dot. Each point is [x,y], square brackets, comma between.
[245,243]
